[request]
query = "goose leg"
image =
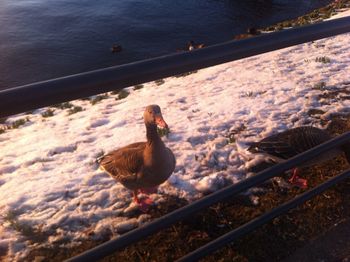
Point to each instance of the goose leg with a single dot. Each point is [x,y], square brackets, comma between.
[143,203]
[149,190]
[297,181]
[136,199]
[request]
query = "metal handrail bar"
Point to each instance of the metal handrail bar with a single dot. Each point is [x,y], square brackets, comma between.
[28,97]
[261,220]
[137,234]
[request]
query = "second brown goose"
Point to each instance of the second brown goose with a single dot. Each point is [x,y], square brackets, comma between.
[142,166]
[287,144]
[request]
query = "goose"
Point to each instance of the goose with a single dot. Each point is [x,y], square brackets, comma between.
[251,31]
[191,45]
[287,144]
[116,48]
[142,166]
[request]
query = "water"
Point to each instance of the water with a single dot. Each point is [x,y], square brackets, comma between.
[44,39]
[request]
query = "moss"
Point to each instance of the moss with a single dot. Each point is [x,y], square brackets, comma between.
[115,92]
[186,74]
[98,98]
[64,105]
[122,94]
[320,86]
[315,111]
[48,113]
[137,87]
[159,82]
[74,110]
[85,99]
[163,131]
[323,59]
[100,153]
[12,218]
[17,123]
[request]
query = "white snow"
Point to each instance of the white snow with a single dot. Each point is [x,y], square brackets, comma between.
[50,183]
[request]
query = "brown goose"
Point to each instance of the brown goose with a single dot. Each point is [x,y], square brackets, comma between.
[142,166]
[289,143]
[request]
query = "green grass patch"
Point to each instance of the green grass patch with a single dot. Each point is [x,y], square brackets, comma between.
[64,105]
[315,111]
[100,154]
[122,94]
[137,87]
[17,123]
[14,125]
[231,138]
[3,120]
[98,98]
[159,82]
[163,132]
[85,99]
[115,92]
[75,109]
[186,73]
[320,86]
[323,59]
[48,113]
[24,229]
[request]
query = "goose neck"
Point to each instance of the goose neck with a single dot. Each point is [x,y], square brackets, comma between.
[151,133]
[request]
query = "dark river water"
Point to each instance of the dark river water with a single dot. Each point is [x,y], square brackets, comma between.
[44,39]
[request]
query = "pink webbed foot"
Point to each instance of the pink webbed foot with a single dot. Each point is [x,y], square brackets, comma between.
[144,204]
[297,181]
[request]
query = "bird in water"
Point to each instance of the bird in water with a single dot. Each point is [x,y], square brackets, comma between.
[142,166]
[282,146]
[191,45]
[116,48]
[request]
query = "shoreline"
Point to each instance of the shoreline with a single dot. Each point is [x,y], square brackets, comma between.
[317,15]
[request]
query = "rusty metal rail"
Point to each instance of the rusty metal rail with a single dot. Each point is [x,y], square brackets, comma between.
[135,235]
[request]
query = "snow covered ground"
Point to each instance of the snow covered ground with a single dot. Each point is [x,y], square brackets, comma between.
[51,187]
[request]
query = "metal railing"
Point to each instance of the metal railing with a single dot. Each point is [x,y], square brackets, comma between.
[29,97]
[131,237]
[263,219]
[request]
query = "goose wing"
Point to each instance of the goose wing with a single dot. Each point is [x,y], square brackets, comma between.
[124,163]
[289,143]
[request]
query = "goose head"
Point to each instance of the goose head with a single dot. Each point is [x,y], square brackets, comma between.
[153,117]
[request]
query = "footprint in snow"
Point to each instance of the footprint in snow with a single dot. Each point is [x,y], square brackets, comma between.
[196,140]
[62,149]
[99,122]
[8,169]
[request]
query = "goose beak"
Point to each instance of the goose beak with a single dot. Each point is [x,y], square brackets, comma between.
[160,122]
